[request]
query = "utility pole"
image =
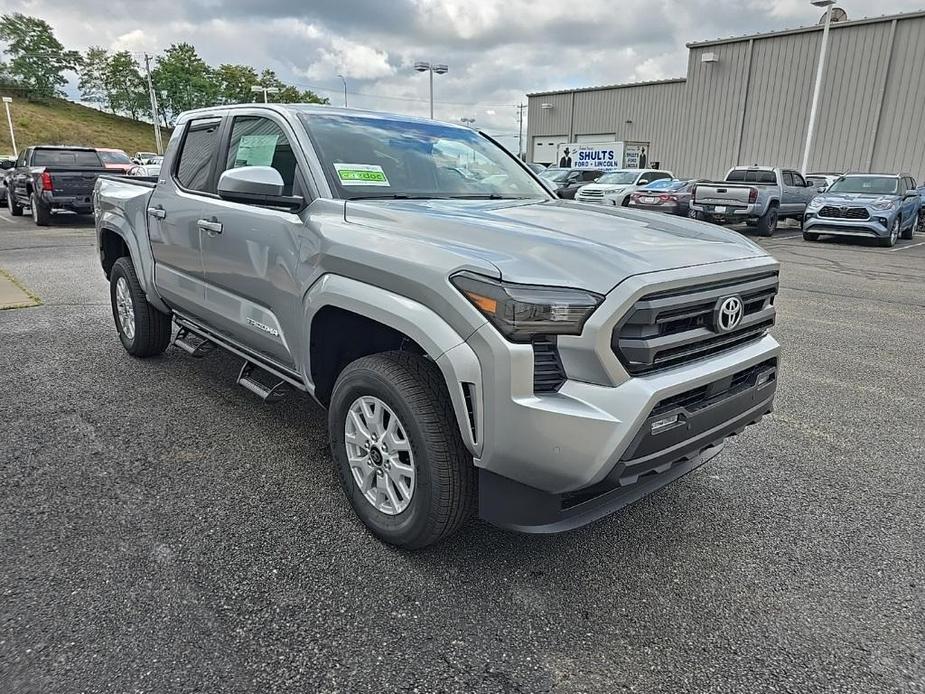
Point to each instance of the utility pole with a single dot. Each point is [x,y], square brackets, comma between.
[520,131]
[7,100]
[153,96]
[820,69]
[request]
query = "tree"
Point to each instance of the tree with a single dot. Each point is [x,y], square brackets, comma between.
[93,71]
[184,80]
[235,82]
[37,58]
[128,90]
[289,94]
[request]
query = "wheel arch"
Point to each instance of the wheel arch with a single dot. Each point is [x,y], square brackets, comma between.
[363,319]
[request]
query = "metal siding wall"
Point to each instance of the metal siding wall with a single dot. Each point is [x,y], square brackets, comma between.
[781,89]
[848,105]
[694,125]
[900,142]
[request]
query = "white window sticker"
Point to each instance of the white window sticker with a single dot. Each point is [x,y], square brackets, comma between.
[361,175]
[256,150]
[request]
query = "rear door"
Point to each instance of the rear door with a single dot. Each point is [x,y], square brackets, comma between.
[790,196]
[175,210]
[250,253]
[21,178]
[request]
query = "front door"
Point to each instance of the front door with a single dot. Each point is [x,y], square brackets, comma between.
[250,253]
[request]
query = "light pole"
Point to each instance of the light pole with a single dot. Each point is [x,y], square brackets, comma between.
[422,66]
[819,72]
[467,121]
[258,88]
[344,80]
[6,102]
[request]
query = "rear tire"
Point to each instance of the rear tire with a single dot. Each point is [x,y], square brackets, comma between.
[767,223]
[14,207]
[810,236]
[41,214]
[751,222]
[143,330]
[443,488]
[907,234]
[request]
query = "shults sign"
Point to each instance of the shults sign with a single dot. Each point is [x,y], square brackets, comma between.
[602,156]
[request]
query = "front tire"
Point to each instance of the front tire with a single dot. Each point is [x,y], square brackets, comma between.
[890,241]
[398,450]
[14,207]
[143,330]
[41,214]
[810,236]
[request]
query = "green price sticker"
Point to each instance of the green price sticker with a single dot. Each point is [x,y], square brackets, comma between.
[361,175]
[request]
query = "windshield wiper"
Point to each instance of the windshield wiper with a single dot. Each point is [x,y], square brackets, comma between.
[489,196]
[397,196]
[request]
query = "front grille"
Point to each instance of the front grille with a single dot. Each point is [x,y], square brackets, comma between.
[698,398]
[830,212]
[548,374]
[673,327]
[591,194]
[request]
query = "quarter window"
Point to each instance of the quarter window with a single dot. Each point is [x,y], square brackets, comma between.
[200,146]
[257,141]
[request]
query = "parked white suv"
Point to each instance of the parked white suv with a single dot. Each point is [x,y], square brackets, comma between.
[614,188]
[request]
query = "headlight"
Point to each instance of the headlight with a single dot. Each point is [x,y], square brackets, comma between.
[814,204]
[521,311]
[885,204]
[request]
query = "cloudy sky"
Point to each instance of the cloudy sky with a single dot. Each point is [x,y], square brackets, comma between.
[497,50]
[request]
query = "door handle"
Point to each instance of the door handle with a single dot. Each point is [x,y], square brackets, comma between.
[211,227]
[157,212]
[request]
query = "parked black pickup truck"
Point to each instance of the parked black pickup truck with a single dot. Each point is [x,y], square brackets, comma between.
[50,178]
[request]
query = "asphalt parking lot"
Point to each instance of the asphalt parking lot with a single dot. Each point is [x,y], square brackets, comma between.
[163,532]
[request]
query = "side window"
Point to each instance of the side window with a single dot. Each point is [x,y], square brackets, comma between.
[199,148]
[257,141]
[656,175]
[788,178]
[798,180]
[22,158]
[590,175]
[903,186]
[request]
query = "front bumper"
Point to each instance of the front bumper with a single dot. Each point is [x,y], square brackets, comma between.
[653,459]
[877,226]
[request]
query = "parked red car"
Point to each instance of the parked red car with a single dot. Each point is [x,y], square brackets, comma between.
[670,196]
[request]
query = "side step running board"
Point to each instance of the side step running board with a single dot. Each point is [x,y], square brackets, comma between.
[193,344]
[264,391]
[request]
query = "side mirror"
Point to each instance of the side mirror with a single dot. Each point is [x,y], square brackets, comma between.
[256,185]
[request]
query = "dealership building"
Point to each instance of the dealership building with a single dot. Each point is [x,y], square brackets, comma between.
[746,100]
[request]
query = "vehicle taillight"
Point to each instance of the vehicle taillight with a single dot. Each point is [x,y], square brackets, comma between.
[667,198]
[46,181]
[753,195]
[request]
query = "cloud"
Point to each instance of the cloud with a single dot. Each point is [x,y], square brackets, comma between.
[497,50]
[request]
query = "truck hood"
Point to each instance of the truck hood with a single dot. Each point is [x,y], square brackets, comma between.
[555,243]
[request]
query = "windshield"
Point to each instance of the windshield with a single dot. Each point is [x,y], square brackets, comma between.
[370,157]
[865,185]
[66,157]
[619,178]
[114,157]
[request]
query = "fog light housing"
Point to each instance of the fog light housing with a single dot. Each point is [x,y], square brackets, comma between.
[764,378]
[882,220]
[664,423]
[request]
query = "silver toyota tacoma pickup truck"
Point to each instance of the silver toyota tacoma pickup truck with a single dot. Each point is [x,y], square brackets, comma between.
[480,346]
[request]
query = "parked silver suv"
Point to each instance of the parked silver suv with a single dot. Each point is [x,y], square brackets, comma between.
[479,344]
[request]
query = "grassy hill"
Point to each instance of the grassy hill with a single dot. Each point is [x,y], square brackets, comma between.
[60,122]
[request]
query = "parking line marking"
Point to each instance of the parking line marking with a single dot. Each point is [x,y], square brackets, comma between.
[906,248]
[792,236]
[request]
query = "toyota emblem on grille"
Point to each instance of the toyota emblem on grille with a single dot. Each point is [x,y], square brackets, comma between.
[728,313]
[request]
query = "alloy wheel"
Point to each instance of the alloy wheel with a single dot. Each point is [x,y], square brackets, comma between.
[125,307]
[379,454]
